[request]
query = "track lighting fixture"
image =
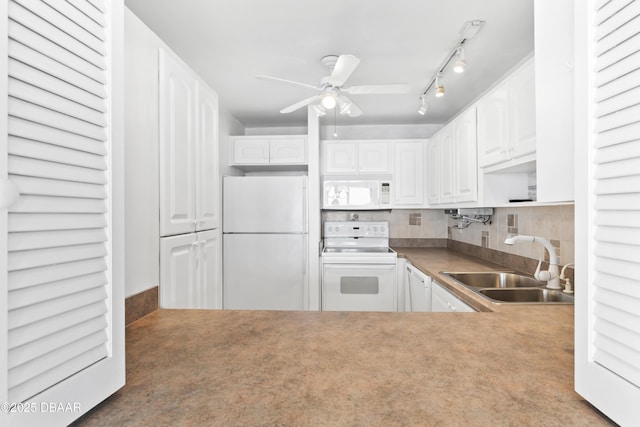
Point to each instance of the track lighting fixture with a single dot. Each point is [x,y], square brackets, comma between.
[423,106]
[439,86]
[460,64]
[457,57]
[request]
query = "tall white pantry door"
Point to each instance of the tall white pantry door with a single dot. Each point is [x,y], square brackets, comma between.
[607,214]
[61,241]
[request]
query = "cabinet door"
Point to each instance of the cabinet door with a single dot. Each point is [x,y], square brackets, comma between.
[178,281]
[447,168]
[493,126]
[433,170]
[62,262]
[340,157]
[208,289]
[207,182]
[177,143]
[408,178]
[374,157]
[522,112]
[250,151]
[288,151]
[466,163]
[444,301]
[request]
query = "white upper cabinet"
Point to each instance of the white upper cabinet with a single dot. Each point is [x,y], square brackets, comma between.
[434,166]
[339,157]
[447,162]
[522,112]
[356,157]
[408,176]
[506,121]
[188,150]
[492,126]
[452,162]
[207,179]
[250,151]
[177,146]
[373,157]
[269,150]
[466,160]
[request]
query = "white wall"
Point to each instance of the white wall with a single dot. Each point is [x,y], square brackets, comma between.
[142,226]
[141,156]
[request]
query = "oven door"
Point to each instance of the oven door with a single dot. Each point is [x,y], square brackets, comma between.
[359,287]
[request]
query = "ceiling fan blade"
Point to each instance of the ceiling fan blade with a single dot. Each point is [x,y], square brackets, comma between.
[300,104]
[377,89]
[291,82]
[348,107]
[343,69]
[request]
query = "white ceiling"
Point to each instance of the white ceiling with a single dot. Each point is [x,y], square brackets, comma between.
[229,42]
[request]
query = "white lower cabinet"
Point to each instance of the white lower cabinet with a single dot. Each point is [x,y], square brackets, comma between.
[444,301]
[190,272]
[419,290]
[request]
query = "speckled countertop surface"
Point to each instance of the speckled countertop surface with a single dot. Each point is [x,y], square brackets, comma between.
[259,368]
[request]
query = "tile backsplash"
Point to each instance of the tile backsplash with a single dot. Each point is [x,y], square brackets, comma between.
[555,223]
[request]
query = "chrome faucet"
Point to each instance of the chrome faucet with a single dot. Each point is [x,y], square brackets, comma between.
[551,276]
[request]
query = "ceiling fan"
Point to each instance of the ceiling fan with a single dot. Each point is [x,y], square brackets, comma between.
[331,91]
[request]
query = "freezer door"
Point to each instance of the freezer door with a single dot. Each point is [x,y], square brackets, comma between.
[264,271]
[265,204]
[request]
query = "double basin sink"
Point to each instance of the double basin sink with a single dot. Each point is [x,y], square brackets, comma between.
[508,287]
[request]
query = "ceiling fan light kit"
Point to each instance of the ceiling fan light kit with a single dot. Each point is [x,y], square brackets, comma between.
[469,29]
[331,90]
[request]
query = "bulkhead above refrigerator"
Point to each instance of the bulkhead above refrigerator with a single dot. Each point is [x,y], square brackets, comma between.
[349,194]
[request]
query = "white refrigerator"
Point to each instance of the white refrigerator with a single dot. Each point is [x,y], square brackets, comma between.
[265,243]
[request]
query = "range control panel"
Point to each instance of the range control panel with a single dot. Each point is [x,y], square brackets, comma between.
[356,229]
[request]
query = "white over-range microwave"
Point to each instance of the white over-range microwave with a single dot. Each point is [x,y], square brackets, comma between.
[365,194]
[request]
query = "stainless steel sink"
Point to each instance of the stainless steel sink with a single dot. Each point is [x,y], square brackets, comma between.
[508,287]
[527,295]
[495,279]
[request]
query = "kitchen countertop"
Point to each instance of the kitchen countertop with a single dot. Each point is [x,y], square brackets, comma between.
[202,367]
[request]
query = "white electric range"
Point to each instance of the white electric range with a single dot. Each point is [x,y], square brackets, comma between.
[358,267]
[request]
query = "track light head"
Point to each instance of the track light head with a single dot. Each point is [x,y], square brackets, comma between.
[439,86]
[460,63]
[423,106]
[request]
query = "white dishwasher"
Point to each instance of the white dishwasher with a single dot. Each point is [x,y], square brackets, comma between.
[419,289]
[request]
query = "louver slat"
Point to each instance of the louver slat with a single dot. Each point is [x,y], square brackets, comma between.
[40,26]
[91,11]
[34,294]
[81,20]
[47,47]
[616,339]
[63,23]
[37,150]
[37,96]
[58,242]
[55,119]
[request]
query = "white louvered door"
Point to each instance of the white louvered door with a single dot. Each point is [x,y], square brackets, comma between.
[608,207]
[62,292]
